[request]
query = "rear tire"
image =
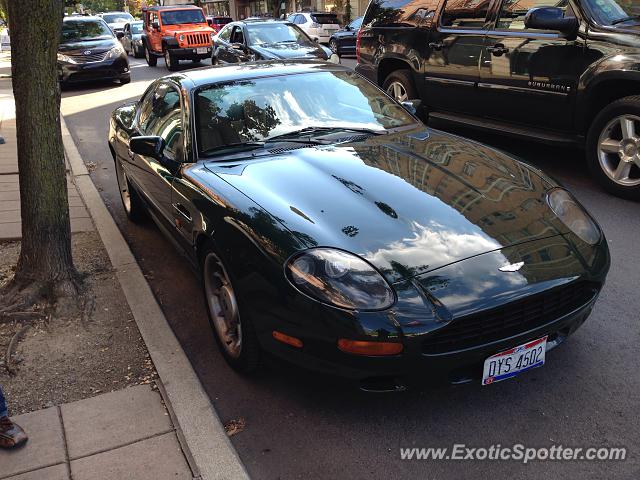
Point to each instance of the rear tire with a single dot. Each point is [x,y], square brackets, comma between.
[151,59]
[399,85]
[232,329]
[613,152]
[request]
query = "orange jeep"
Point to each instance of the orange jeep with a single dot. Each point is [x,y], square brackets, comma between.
[176,32]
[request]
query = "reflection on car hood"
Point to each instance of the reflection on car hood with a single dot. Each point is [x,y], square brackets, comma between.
[289,50]
[96,46]
[407,203]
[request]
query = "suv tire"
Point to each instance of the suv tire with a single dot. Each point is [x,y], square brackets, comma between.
[240,348]
[170,60]
[613,148]
[152,60]
[399,85]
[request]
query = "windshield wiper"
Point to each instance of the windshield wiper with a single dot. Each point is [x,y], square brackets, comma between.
[625,19]
[310,130]
[237,145]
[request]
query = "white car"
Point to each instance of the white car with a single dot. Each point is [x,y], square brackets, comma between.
[319,26]
[117,20]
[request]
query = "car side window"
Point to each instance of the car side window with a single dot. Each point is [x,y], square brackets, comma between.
[237,36]
[225,34]
[464,13]
[513,12]
[161,115]
[300,19]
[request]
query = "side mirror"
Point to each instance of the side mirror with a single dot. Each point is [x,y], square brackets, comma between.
[119,35]
[156,25]
[411,106]
[551,18]
[148,146]
[348,28]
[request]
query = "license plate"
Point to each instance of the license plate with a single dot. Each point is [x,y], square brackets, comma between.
[514,361]
[201,50]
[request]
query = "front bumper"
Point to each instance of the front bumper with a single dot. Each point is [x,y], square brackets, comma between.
[112,69]
[471,290]
[191,53]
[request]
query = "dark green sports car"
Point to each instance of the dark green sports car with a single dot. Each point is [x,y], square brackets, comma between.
[335,230]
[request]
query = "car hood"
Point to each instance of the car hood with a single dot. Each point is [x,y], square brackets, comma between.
[187,28]
[407,203]
[96,46]
[289,50]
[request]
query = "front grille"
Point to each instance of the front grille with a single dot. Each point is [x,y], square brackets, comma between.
[200,39]
[510,319]
[92,57]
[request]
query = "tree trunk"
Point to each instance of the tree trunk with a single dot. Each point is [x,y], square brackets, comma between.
[45,257]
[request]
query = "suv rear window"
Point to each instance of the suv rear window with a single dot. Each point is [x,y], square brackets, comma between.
[399,13]
[324,18]
[464,13]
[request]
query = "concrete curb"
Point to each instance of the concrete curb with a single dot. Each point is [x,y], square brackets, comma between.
[198,423]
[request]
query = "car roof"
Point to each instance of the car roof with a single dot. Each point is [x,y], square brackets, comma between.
[219,74]
[260,20]
[171,7]
[83,18]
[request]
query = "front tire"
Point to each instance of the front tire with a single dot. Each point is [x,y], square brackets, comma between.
[131,202]
[233,331]
[399,85]
[333,45]
[151,59]
[170,61]
[613,148]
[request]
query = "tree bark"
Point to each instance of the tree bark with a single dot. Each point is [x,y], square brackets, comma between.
[45,257]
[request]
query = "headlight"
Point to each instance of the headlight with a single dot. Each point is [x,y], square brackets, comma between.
[573,215]
[64,58]
[115,52]
[334,58]
[340,279]
[181,38]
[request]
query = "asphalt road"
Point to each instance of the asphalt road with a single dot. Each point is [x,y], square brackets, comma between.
[299,425]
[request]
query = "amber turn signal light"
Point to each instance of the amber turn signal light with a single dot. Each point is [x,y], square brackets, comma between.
[288,339]
[358,347]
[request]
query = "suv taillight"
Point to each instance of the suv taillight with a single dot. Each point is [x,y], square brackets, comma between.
[358,45]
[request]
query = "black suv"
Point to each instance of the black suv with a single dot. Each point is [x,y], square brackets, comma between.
[565,72]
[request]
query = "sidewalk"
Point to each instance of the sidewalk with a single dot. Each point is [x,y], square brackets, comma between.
[10,225]
[120,435]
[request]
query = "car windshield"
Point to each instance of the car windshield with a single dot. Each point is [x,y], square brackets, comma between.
[270,33]
[177,17]
[117,17]
[77,30]
[612,12]
[256,110]
[324,18]
[136,27]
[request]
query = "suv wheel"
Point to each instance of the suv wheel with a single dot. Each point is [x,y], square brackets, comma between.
[399,85]
[151,59]
[170,61]
[613,148]
[232,327]
[333,45]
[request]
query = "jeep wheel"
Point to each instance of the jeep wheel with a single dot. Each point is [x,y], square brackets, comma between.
[399,85]
[151,59]
[613,148]
[170,60]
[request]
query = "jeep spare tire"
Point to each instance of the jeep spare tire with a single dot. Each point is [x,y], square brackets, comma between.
[613,148]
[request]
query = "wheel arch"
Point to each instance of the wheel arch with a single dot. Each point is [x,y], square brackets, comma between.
[391,64]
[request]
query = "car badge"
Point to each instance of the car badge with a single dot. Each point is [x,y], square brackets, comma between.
[87,52]
[512,267]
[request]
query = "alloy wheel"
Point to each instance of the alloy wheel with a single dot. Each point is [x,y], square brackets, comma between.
[619,150]
[397,91]
[222,304]
[333,45]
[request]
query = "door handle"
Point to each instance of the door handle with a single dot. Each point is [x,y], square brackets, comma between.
[182,210]
[436,45]
[498,49]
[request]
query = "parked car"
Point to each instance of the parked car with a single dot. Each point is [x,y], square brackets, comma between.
[90,51]
[117,20]
[333,229]
[132,39]
[343,42]
[179,32]
[561,73]
[319,26]
[265,40]
[217,22]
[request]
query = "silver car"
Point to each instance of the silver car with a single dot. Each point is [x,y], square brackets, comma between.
[132,40]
